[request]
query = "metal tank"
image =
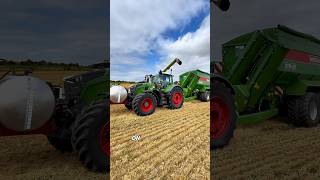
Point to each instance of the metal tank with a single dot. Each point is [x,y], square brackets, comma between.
[26,103]
[118,94]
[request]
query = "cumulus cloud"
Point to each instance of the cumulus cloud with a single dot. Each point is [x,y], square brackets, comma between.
[137,27]
[193,49]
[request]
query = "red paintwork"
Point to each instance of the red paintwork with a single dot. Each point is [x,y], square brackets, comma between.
[45,129]
[104,137]
[177,98]
[203,79]
[298,56]
[124,102]
[220,117]
[146,105]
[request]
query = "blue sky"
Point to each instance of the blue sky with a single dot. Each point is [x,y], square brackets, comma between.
[149,34]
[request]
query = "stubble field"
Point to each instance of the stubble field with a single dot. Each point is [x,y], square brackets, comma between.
[174,144]
[270,150]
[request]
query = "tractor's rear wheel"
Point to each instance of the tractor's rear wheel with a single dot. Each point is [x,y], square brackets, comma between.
[175,98]
[304,110]
[144,104]
[91,136]
[205,96]
[223,115]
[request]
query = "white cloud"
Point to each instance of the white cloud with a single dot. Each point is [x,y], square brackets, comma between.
[193,49]
[136,29]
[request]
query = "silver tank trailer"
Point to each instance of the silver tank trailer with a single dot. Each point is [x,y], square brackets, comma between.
[26,103]
[118,94]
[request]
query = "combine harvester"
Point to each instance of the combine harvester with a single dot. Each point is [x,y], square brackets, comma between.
[265,72]
[160,90]
[73,117]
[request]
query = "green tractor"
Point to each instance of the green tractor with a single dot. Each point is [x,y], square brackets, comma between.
[160,90]
[73,117]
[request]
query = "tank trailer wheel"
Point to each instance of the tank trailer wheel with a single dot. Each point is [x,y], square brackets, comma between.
[60,138]
[222,115]
[304,110]
[175,98]
[128,103]
[91,136]
[144,104]
[128,106]
[205,96]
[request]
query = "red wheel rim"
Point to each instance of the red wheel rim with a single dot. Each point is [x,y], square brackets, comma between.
[105,139]
[146,105]
[220,117]
[177,98]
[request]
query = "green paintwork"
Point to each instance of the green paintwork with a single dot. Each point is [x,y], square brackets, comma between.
[191,82]
[256,63]
[194,82]
[168,88]
[257,117]
[95,89]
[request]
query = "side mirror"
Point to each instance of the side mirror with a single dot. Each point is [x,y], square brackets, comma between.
[222,4]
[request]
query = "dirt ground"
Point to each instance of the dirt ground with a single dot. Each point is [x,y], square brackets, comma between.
[269,150]
[174,144]
[32,157]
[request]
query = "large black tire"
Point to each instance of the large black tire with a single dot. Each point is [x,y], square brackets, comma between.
[222,116]
[144,104]
[304,110]
[60,138]
[128,106]
[87,135]
[175,98]
[205,96]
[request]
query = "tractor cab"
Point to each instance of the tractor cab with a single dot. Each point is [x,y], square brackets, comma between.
[159,78]
[163,78]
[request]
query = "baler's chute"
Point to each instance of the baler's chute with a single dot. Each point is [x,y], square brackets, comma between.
[222,4]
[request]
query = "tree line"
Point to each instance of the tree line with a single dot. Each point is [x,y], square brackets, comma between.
[29,62]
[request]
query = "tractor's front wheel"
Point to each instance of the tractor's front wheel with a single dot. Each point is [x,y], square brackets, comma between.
[128,106]
[91,136]
[144,104]
[60,139]
[175,98]
[223,115]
